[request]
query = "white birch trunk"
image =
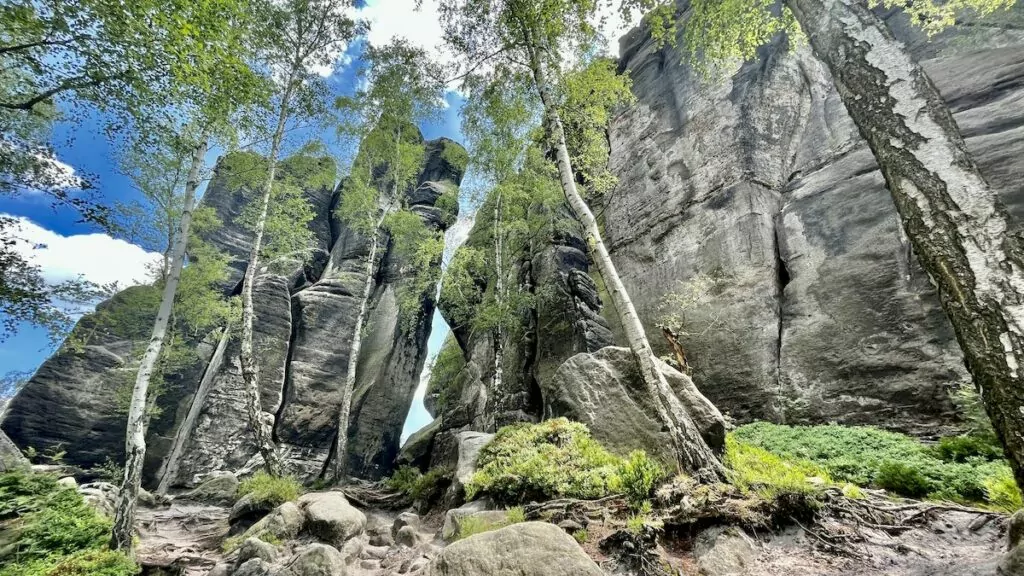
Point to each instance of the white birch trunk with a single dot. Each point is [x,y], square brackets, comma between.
[959,228]
[135,437]
[692,453]
[250,367]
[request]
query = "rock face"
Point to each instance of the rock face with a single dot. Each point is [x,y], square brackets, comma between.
[604,391]
[756,193]
[527,549]
[306,306]
[566,320]
[11,457]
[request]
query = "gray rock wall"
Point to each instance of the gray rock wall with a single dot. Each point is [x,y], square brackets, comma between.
[756,189]
[306,306]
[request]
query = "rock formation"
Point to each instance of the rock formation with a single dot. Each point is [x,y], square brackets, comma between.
[755,190]
[305,306]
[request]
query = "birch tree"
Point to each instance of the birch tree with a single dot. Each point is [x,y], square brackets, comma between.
[308,35]
[959,228]
[403,89]
[534,37]
[156,164]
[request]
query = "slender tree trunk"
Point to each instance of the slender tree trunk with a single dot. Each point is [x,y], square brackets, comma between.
[250,366]
[341,438]
[692,453]
[958,227]
[135,437]
[499,295]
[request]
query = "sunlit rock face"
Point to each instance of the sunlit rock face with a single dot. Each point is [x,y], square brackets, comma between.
[755,191]
[306,307]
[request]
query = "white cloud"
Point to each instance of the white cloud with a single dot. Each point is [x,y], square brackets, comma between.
[96,257]
[390,19]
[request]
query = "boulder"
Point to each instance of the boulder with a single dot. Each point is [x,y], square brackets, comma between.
[417,449]
[11,457]
[330,518]
[222,569]
[604,391]
[284,523]
[220,488]
[526,549]
[469,446]
[316,560]
[723,551]
[405,519]
[1012,563]
[255,548]
[254,567]
[248,507]
[102,496]
[479,509]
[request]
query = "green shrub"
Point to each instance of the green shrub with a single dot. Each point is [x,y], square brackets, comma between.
[270,490]
[902,479]
[964,448]
[1001,491]
[419,486]
[581,536]
[639,474]
[404,479]
[60,534]
[553,459]
[957,470]
[470,525]
[754,469]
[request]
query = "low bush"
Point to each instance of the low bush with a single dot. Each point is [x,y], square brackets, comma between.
[963,469]
[639,474]
[1001,491]
[418,486]
[271,490]
[966,448]
[57,533]
[770,476]
[472,525]
[553,459]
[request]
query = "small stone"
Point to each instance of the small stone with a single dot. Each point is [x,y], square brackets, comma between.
[316,560]
[255,548]
[407,536]
[68,482]
[254,567]
[221,569]
[405,519]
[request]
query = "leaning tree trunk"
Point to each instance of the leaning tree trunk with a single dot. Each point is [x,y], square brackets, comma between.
[250,367]
[135,437]
[959,228]
[341,438]
[692,453]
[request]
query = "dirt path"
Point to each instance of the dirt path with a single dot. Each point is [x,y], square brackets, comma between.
[183,538]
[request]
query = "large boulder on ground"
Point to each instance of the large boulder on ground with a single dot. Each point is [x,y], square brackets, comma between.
[479,509]
[469,446]
[723,552]
[527,549]
[316,560]
[1013,562]
[102,496]
[10,457]
[283,523]
[604,391]
[256,548]
[219,488]
[330,517]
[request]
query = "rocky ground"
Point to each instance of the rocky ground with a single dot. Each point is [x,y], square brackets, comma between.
[323,534]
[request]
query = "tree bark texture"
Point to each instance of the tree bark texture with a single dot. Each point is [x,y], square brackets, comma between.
[135,436]
[959,229]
